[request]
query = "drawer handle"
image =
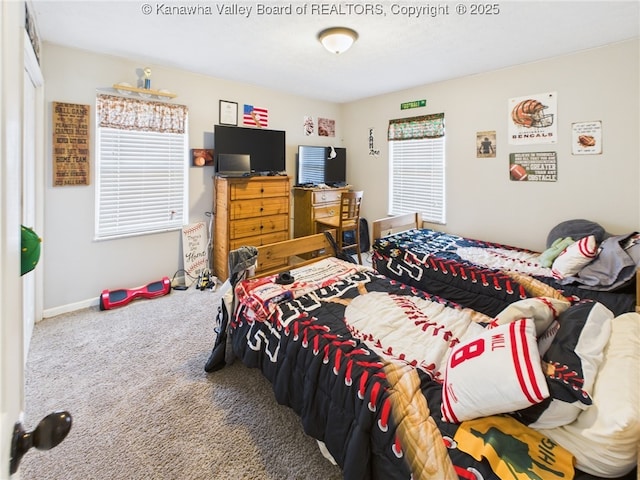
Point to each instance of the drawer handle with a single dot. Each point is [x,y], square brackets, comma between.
[332,212]
[323,196]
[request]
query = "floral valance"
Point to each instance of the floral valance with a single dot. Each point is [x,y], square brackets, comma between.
[141,115]
[425,126]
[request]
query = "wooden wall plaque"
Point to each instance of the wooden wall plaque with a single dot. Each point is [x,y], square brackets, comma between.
[71,159]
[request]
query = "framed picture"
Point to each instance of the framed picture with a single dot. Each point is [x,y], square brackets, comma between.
[228,113]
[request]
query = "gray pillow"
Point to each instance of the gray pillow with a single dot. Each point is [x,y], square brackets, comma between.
[576,229]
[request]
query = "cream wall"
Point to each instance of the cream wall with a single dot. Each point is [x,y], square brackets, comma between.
[77,268]
[599,84]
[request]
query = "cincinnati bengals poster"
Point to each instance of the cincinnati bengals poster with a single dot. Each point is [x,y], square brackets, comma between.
[533,119]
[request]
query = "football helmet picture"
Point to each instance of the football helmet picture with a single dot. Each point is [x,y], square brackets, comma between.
[530,114]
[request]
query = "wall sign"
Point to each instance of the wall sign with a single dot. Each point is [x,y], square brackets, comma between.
[532,119]
[194,248]
[414,104]
[533,166]
[70,144]
[586,138]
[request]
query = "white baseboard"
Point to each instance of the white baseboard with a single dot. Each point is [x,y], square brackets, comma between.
[71,307]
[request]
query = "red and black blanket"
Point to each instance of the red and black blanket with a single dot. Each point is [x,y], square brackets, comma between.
[362,358]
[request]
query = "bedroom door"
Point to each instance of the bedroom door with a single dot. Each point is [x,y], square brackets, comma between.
[11,324]
[29,198]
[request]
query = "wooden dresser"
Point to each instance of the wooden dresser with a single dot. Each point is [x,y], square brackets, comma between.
[251,211]
[310,204]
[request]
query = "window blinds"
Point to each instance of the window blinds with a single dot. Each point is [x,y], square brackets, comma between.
[141,173]
[417,167]
[311,164]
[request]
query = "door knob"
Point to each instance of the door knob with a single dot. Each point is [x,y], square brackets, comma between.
[51,430]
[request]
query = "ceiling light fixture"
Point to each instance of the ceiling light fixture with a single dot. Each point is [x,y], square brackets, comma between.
[337,39]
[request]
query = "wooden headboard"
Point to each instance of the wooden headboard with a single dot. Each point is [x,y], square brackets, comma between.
[387,226]
[295,252]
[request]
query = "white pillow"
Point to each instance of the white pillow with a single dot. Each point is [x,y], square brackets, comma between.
[498,371]
[604,438]
[575,257]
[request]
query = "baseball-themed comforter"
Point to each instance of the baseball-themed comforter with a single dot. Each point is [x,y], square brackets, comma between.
[482,275]
[401,384]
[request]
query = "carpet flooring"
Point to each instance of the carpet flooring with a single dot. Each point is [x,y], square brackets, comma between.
[143,407]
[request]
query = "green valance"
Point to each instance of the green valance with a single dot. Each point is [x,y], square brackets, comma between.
[425,126]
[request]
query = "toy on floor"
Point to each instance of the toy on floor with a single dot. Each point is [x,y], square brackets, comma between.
[118,298]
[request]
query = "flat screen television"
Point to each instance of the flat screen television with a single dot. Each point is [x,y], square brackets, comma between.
[315,165]
[265,147]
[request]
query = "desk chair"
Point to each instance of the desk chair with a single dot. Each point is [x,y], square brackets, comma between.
[348,219]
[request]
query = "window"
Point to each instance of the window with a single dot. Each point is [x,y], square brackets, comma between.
[416,167]
[141,163]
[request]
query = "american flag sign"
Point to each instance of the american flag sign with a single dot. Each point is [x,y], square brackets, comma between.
[255,117]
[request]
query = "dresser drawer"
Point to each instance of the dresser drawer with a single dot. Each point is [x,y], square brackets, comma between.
[258,208]
[251,189]
[326,196]
[258,226]
[326,211]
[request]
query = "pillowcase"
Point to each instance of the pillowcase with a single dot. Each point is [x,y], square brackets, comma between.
[604,438]
[498,371]
[547,257]
[575,257]
[571,364]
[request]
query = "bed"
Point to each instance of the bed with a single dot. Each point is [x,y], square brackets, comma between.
[488,276]
[381,374]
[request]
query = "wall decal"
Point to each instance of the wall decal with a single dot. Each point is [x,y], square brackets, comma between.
[373,152]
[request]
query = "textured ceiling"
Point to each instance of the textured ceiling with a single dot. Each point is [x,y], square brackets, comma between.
[395,50]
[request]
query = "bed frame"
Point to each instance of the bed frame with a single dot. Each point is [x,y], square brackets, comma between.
[389,225]
[292,253]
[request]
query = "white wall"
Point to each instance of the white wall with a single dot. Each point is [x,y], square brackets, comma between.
[598,84]
[76,268]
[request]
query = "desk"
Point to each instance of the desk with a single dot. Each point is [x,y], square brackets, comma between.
[312,203]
